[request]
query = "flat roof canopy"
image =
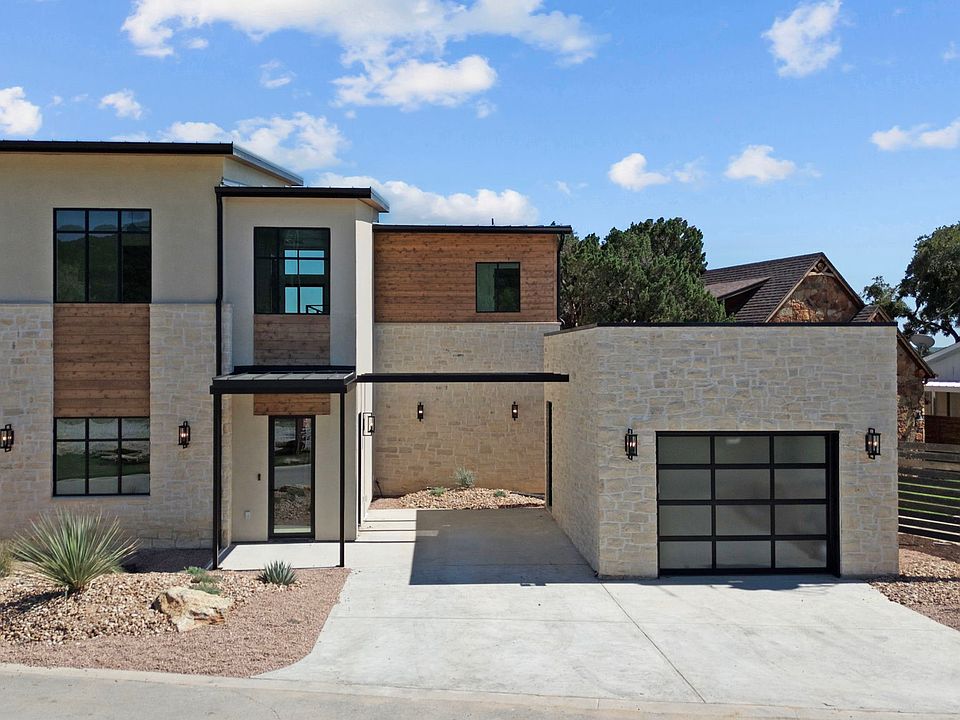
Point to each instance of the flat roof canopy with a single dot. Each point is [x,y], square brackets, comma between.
[251,380]
[280,382]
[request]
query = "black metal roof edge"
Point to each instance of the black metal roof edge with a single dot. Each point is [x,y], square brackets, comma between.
[446,229]
[247,369]
[265,387]
[351,193]
[725,325]
[453,377]
[118,147]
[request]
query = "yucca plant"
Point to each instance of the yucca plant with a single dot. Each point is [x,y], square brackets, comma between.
[6,559]
[278,572]
[71,550]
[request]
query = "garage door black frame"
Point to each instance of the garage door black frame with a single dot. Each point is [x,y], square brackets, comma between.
[832,536]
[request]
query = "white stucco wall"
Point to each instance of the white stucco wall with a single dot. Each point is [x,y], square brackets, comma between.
[345,218]
[768,378]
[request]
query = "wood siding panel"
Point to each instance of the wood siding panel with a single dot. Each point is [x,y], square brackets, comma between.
[431,277]
[291,404]
[291,339]
[101,360]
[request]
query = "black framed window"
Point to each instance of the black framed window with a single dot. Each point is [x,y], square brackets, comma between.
[101,456]
[291,271]
[498,287]
[747,501]
[101,255]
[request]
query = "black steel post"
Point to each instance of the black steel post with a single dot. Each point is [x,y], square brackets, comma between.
[343,478]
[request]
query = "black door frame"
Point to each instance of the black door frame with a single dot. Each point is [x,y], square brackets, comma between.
[548,495]
[831,465]
[271,535]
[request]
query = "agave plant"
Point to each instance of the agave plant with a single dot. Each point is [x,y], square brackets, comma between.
[72,550]
[278,572]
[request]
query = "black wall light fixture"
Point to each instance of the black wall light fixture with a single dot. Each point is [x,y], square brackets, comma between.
[872,443]
[369,424]
[420,411]
[183,434]
[6,438]
[630,444]
[514,410]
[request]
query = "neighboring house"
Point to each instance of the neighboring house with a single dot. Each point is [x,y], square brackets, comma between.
[943,396]
[194,342]
[808,288]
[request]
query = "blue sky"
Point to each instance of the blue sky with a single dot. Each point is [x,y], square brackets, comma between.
[776,127]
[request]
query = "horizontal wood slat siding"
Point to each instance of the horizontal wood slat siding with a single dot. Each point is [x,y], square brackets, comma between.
[930,490]
[427,277]
[941,429]
[291,339]
[291,404]
[101,360]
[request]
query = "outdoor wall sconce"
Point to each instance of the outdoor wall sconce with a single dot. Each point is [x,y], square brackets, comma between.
[369,424]
[6,438]
[183,434]
[872,443]
[420,411]
[514,410]
[630,444]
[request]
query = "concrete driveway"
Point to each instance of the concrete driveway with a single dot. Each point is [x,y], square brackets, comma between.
[501,602]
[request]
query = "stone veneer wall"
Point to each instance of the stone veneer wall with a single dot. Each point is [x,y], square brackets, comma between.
[26,402]
[465,424]
[719,378]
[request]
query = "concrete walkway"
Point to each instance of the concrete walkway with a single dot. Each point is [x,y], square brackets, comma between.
[500,602]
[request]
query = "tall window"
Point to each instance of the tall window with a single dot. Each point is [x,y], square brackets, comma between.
[291,270]
[498,287]
[102,255]
[102,456]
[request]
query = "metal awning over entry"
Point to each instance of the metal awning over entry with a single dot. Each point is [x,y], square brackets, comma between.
[255,381]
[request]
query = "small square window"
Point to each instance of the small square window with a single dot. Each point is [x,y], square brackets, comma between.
[498,287]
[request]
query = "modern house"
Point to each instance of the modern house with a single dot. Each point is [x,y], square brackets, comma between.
[808,288]
[943,396]
[196,343]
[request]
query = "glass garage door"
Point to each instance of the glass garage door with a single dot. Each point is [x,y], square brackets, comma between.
[747,502]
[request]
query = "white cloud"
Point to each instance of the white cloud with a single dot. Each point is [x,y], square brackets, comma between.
[299,142]
[18,116]
[919,136]
[197,43]
[398,44]
[414,83]
[563,187]
[631,173]
[803,42]
[124,104]
[951,53]
[485,109]
[274,75]
[756,163]
[409,203]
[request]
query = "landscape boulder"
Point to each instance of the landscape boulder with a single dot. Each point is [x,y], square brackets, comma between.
[188,608]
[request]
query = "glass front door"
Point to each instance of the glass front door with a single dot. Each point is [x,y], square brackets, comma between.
[291,477]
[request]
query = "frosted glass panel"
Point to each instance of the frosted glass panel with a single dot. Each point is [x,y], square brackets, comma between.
[685,520]
[743,553]
[801,520]
[684,484]
[743,519]
[743,484]
[801,553]
[799,449]
[800,483]
[742,449]
[685,555]
[683,450]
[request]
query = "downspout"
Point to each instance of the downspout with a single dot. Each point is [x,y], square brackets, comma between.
[218,398]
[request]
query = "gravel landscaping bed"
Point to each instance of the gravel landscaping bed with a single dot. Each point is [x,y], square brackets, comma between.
[929,580]
[459,499]
[111,624]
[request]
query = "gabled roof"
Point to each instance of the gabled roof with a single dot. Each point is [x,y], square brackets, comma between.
[107,147]
[782,276]
[723,290]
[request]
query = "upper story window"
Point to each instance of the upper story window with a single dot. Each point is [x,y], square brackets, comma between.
[498,287]
[291,270]
[102,256]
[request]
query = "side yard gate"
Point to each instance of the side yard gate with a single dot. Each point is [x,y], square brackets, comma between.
[929,483]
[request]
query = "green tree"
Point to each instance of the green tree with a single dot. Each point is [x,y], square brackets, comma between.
[932,281]
[650,272]
[887,297]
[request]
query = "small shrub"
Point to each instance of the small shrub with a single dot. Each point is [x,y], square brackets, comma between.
[200,575]
[211,588]
[6,559]
[500,493]
[72,550]
[465,479]
[437,491]
[278,572]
